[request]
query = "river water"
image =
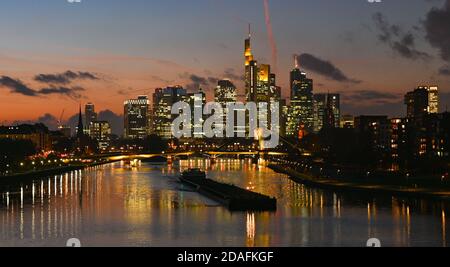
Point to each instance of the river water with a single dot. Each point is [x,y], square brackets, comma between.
[114,205]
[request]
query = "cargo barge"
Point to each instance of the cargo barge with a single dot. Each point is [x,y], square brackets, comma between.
[232,197]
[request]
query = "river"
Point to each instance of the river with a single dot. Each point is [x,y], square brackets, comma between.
[114,205]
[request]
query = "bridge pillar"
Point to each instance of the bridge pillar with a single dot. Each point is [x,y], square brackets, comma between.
[213,159]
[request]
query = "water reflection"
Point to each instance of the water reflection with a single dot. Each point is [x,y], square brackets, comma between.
[146,206]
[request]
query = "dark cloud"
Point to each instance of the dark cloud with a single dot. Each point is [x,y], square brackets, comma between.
[196,82]
[73,92]
[403,44]
[370,95]
[18,87]
[324,68]
[209,81]
[65,78]
[437,27]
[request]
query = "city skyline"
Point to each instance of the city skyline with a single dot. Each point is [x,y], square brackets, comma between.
[32,76]
[247,126]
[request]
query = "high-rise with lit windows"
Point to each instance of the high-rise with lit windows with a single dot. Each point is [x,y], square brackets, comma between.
[163,99]
[422,101]
[302,103]
[225,93]
[197,102]
[137,118]
[251,72]
[327,111]
[100,131]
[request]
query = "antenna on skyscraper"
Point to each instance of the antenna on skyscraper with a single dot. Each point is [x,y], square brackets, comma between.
[249,30]
[296,63]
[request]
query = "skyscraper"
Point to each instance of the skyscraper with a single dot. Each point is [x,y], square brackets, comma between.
[163,99]
[295,76]
[260,87]
[225,93]
[137,118]
[251,72]
[275,91]
[264,83]
[101,132]
[433,100]
[197,101]
[422,101]
[90,113]
[302,103]
[327,111]
[422,107]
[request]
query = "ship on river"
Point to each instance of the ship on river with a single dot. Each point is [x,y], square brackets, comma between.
[233,197]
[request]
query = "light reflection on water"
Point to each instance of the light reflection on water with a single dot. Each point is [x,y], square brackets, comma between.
[113,205]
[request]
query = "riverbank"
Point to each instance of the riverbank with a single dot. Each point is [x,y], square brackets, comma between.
[357,187]
[32,175]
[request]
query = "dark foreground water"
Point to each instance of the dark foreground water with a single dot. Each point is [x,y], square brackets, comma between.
[113,205]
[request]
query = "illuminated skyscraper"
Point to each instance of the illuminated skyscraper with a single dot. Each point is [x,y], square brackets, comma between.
[295,76]
[163,99]
[264,83]
[90,113]
[433,100]
[260,87]
[422,101]
[137,118]
[422,113]
[327,111]
[302,103]
[225,92]
[101,132]
[275,91]
[197,101]
[251,72]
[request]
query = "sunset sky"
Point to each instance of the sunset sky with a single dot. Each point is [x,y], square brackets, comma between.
[55,55]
